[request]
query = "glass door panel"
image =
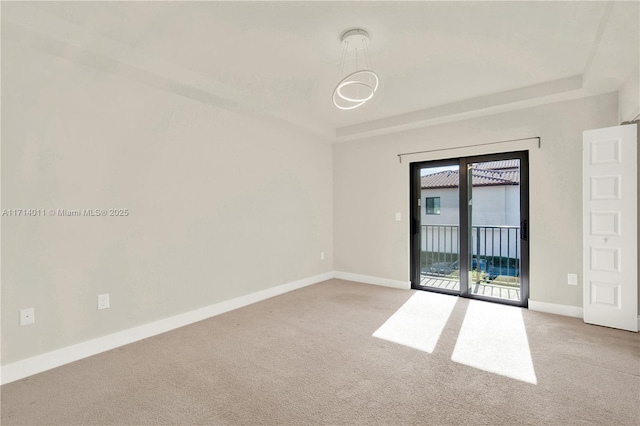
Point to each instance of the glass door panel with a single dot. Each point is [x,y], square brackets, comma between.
[439,226]
[494,260]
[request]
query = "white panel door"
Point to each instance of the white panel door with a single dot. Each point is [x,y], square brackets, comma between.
[610,234]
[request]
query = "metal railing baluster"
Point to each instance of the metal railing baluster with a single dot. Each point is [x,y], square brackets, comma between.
[508,252]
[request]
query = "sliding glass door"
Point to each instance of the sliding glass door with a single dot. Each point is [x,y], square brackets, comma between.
[470,227]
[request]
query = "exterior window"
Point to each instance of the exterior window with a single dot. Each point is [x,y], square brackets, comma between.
[433,205]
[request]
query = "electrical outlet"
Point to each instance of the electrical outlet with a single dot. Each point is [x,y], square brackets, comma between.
[321,255]
[103,301]
[572,279]
[27,316]
[398,216]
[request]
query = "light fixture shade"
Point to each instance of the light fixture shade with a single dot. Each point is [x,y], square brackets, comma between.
[355,89]
[360,86]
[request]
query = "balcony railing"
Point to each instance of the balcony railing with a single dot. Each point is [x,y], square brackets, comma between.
[495,250]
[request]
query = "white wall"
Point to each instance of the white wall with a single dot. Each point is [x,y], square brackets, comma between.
[221,204]
[496,205]
[449,207]
[629,100]
[370,185]
[512,202]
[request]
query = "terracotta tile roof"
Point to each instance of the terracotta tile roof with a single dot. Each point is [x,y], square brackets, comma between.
[499,174]
[446,179]
[502,164]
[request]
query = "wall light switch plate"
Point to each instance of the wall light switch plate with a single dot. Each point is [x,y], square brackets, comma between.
[103,301]
[572,279]
[27,316]
[398,217]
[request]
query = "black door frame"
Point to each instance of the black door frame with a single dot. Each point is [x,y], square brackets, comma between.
[415,229]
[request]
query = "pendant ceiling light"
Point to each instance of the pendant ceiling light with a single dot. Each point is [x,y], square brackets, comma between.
[360,85]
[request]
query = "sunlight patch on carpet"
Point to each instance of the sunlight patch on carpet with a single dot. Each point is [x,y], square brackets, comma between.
[493,338]
[419,322]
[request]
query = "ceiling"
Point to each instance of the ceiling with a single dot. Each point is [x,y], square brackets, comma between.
[436,60]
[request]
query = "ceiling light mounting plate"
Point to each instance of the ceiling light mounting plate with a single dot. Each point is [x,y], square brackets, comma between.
[355,34]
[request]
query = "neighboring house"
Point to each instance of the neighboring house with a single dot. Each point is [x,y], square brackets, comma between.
[496,203]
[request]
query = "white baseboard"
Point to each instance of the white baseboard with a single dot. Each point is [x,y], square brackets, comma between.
[404,285]
[30,366]
[554,308]
[566,310]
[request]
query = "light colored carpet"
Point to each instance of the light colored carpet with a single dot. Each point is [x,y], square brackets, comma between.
[309,357]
